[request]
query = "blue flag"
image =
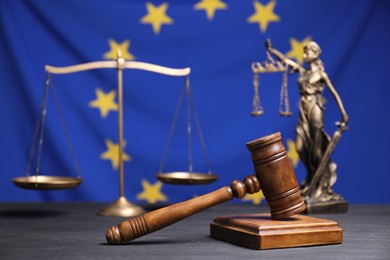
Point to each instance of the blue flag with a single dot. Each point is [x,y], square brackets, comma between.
[218,40]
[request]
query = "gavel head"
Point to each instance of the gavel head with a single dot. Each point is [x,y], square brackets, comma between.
[276,176]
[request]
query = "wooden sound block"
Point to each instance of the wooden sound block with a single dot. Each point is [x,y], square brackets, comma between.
[259,231]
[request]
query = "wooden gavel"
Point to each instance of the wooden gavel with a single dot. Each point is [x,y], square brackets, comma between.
[273,170]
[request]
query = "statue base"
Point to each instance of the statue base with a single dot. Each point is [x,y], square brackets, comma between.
[328,207]
[259,231]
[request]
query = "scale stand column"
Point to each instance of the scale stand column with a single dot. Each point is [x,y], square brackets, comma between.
[121,207]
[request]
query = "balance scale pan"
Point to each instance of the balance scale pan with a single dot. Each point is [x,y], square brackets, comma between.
[189,178]
[46,182]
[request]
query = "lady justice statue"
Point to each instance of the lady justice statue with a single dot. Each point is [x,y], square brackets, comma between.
[313,144]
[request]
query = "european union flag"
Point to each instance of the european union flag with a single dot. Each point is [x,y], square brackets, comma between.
[218,40]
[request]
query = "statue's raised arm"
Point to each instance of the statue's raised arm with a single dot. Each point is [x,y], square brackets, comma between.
[281,57]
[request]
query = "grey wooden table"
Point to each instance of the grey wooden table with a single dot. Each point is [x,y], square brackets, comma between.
[74,231]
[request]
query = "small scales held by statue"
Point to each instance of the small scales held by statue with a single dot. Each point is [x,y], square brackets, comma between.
[275,176]
[313,144]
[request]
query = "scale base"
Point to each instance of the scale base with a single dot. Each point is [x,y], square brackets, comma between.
[259,231]
[121,208]
[338,206]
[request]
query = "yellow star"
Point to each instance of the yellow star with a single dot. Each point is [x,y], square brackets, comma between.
[256,198]
[151,192]
[263,15]
[292,152]
[210,6]
[156,16]
[297,49]
[112,153]
[122,47]
[104,102]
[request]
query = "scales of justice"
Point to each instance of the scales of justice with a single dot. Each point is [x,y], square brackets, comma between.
[121,207]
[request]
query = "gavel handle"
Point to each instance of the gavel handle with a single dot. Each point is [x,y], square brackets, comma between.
[158,219]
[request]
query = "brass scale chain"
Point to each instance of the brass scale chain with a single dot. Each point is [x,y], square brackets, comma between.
[270,65]
[39,129]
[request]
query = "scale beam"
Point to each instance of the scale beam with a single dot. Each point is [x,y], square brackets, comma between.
[119,65]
